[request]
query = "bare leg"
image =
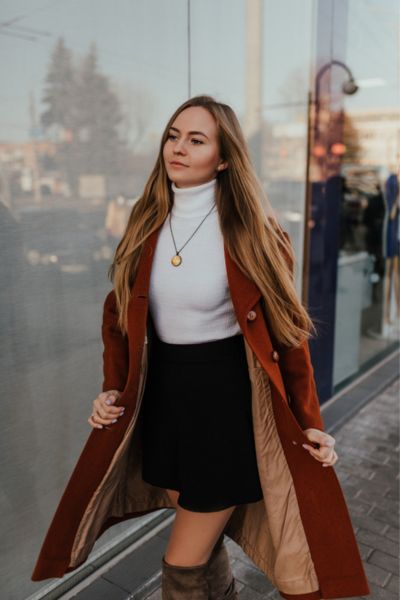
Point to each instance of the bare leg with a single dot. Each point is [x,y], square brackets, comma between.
[194,534]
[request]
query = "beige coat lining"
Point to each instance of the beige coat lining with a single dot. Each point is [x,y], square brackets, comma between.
[269,531]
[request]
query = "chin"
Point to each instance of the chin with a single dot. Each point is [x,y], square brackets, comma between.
[181,181]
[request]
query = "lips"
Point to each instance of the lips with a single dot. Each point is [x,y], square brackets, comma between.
[177,163]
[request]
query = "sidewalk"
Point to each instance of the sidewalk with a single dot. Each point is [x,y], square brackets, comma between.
[368,469]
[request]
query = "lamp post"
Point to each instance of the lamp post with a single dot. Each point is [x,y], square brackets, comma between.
[349,87]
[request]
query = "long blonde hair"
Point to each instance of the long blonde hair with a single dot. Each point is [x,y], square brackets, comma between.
[253,237]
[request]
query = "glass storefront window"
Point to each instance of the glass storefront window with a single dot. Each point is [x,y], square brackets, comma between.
[88,91]
[368,292]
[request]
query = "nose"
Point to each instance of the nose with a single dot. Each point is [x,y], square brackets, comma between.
[179,147]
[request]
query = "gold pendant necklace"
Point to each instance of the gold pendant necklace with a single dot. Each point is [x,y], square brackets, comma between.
[176,260]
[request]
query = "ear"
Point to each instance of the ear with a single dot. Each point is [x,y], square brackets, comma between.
[223,165]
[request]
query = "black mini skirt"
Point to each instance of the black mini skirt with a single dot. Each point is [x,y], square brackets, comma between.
[197,431]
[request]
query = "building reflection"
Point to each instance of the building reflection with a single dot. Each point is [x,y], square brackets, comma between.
[80,129]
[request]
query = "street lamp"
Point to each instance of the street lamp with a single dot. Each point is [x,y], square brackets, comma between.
[349,87]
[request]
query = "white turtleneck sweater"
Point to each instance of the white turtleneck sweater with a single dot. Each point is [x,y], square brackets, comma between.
[191,303]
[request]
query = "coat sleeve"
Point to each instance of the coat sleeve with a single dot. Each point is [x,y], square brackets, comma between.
[116,348]
[298,377]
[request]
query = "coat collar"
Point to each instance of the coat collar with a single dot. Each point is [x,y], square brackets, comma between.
[244,292]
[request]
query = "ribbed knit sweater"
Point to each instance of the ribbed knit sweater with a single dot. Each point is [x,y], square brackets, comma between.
[191,303]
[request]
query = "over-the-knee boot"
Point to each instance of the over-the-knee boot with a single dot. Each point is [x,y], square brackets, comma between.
[184,582]
[221,581]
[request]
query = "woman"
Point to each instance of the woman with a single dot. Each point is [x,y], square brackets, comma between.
[203,378]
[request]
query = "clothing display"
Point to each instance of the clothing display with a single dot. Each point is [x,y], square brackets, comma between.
[392,245]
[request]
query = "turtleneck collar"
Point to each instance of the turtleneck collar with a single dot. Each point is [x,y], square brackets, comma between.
[194,201]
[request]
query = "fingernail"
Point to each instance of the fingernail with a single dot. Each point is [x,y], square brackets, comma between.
[114,421]
[108,401]
[99,426]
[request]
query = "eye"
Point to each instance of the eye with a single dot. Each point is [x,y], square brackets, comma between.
[197,141]
[171,135]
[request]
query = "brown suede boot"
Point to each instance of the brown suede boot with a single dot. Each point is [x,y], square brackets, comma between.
[184,583]
[219,576]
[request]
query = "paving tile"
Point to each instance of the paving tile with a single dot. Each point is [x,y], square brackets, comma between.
[101,589]
[236,552]
[390,505]
[393,585]
[376,574]
[156,595]
[359,507]
[378,542]
[393,493]
[365,550]
[341,474]
[252,577]
[386,561]
[392,518]
[135,569]
[249,594]
[370,524]
[362,471]
[370,485]
[379,593]
[393,533]
[350,491]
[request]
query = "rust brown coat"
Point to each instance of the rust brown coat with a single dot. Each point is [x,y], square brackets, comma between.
[300,535]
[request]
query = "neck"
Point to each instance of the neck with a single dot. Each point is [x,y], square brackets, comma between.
[194,201]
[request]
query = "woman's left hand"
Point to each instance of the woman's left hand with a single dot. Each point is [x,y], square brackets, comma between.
[326,451]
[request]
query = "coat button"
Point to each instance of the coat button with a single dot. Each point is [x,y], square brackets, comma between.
[275,356]
[294,442]
[251,315]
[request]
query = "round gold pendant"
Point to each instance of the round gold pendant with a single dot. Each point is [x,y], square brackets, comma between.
[176,260]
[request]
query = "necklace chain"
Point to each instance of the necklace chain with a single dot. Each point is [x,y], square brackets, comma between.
[177,259]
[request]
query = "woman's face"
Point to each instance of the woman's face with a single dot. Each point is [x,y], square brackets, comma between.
[191,152]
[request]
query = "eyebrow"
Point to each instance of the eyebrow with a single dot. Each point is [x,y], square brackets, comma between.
[191,132]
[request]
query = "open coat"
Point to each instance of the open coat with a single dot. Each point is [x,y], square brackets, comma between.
[300,534]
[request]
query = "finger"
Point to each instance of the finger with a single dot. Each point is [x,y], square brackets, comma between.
[314,451]
[112,410]
[104,409]
[321,454]
[107,412]
[320,437]
[93,424]
[106,398]
[112,396]
[99,411]
[326,453]
[110,399]
[331,462]
[104,421]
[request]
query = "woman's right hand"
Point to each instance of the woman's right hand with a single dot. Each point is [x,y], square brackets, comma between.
[103,412]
